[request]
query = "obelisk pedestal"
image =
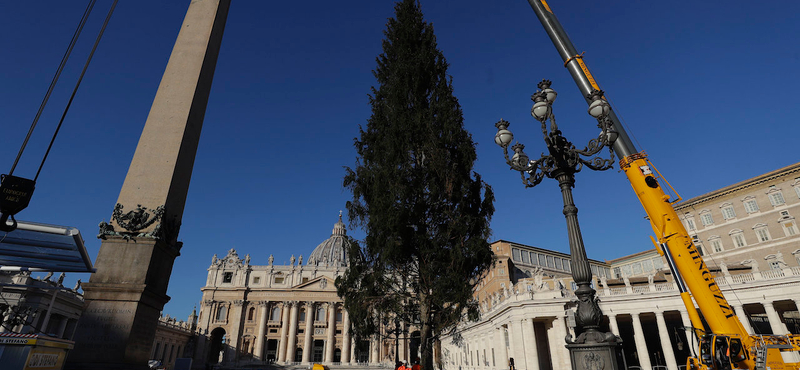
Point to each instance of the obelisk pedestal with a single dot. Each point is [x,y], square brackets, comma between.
[127,293]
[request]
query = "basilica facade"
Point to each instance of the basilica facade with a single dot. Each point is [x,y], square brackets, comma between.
[288,314]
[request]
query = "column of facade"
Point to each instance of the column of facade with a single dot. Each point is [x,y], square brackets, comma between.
[374,354]
[742,315]
[517,344]
[778,328]
[499,342]
[556,334]
[353,350]
[403,343]
[284,332]
[687,328]
[309,332]
[345,337]
[666,344]
[529,339]
[330,341]
[291,341]
[641,344]
[235,317]
[612,324]
[262,327]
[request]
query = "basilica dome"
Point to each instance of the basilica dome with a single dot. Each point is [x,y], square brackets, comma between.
[331,252]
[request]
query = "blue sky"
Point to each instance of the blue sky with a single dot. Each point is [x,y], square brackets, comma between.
[705,89]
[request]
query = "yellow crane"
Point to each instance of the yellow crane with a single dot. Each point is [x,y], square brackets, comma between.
[726,345]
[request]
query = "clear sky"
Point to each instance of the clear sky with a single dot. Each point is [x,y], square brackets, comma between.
[705,88]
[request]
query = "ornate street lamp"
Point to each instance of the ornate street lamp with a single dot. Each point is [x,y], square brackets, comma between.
[592,349]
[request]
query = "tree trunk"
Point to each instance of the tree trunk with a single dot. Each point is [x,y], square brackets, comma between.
[425,342]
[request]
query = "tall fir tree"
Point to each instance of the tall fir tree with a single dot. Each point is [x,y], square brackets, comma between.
[425,212]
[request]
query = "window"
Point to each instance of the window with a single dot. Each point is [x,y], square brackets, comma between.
[302,316]
[276,314]
[251,313]
[727,211]
[626,270]
[338,316]
[320,314]
[305,279]
[227,277]
[789,228]
[525,259]
[542,260]
[658,263]
[761,232]
[775,265]
[776,199]
[279,280]
[706,219]
[559,265]
[737,236]
[568,265]
[637,268]
[222,313]
[797,190]
[647,266]
[550,262]
[515,254]
[690,224]
[617,273]
[256,280]
[750,205]
[534,258]
[716,244]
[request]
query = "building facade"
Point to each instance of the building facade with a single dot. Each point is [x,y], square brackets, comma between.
[749,239]
[287,314]
[38,306]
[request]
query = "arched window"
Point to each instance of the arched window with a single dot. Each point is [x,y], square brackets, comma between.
[251,313]
[222,313]
[276,314]
[320,314]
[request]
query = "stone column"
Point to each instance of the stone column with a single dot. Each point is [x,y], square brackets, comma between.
[641,345]
[666,344]
[517,344]
[345,337]
[284,332]
[330,343]
[742,315]
[373,350]
[687,325]
[499,342]
[123,300]
[529,338]
[558,349]
[309,332]
[353,351]
[778,328]
[262,327]
[235,318]
[612,324]
[291,341]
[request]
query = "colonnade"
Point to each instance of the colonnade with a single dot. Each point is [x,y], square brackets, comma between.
[655,330]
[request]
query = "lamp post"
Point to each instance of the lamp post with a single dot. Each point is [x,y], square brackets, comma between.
[396,331]
[591,349]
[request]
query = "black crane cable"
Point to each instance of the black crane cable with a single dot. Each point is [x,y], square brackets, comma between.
[49,92]
[53,82]
[77,84]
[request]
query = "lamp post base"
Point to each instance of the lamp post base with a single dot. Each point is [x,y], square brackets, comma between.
[597,356]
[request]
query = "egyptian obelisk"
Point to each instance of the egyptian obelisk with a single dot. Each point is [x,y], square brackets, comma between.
[123,299]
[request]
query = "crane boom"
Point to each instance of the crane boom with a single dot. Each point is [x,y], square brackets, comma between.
[727,334]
